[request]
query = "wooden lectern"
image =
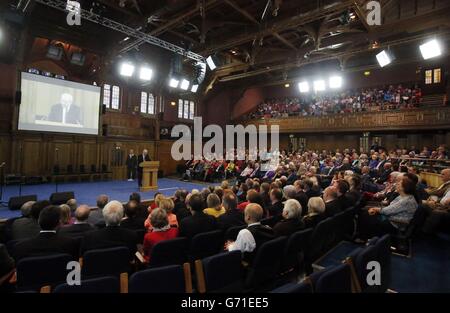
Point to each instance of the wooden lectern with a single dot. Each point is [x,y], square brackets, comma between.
[149,175]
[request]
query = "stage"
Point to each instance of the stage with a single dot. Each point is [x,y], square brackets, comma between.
[86,193]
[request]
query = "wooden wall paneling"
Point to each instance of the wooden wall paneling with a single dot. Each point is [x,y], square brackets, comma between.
[435,118]
[5,153]
[167,164]
[31,156]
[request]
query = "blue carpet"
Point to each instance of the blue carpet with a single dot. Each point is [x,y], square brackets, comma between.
[86,193]
[426,271]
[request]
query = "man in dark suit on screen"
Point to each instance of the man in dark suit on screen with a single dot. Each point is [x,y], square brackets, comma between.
[131,163]
[66,112]
[141,158]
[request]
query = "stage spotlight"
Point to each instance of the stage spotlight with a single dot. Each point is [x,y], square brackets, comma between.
[126,69]
[304,87]
[78,58]
[54,52]
[430,49]
[384,58]
[146,73]
[211,64]
[194,88]
[174,82]
[287,85]
[319,85]
[335,82]
[184,84]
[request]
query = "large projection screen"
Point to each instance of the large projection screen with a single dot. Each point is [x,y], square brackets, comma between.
[55,105]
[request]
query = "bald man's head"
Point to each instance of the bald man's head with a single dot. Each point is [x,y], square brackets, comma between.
[253,213]
[446,175]
[82,213]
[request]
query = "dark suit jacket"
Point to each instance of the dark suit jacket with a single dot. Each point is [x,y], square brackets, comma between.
[311,221]
[266,200]
[313,192]
[367,185]
[384,176]
[133,223]
[276,208]
[142,211]
[75,230]
[140,159]
[302,198]
[230,219]
[6,262]
[110,237]
[344,202]
[131,162]
[288,227]
[180,210]
[333,207]
[74,115]
[45,244]
[196,224]
[24,228]
[353,196]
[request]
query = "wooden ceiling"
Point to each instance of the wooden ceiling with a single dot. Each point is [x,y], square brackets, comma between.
[255,40]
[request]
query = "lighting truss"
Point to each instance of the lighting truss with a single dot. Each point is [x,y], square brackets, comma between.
[127,30]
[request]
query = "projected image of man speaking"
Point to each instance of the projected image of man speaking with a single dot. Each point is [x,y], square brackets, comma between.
[66,111]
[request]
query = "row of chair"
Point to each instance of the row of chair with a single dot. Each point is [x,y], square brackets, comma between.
[279,258]
[81,173]
[350,274]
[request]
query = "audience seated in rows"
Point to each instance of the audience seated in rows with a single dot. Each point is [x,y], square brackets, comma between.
[290,202]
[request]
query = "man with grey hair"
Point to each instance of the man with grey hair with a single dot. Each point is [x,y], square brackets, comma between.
[112,235]
[96,215]
[25,209]
[72,203]
[25,226]
[291,221]
[289,192]
[81,226]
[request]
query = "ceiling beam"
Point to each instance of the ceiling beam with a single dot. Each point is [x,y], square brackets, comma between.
[426,21]
[255,21]
[288,23]
[362,17]
[129,13]
[284,40]
[172,23]
[328,57]
[242,12]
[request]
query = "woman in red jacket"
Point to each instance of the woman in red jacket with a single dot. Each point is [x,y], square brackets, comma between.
[161,231]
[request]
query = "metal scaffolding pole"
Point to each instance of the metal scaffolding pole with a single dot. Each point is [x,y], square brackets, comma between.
[127,30]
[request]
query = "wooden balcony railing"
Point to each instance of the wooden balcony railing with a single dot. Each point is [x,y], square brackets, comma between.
[413,119]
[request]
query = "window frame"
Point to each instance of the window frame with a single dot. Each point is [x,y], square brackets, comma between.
[148,96]
[108,97]
[186,109]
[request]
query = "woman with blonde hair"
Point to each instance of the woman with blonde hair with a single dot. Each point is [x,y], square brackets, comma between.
[66,218]
[167,205]
[316,210]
